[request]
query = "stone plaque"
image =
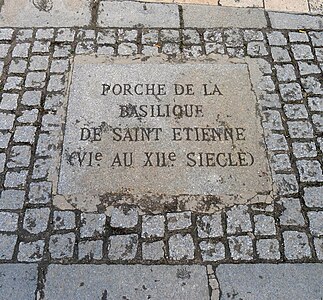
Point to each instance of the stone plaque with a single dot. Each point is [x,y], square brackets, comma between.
[163,129]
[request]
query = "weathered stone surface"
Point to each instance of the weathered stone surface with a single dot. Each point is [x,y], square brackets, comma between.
[134,282]
[38,13]
[161,158]
[214,16]
[285,281]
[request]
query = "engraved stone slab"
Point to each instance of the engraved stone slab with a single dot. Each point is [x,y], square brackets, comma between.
[158,132]
[41,13]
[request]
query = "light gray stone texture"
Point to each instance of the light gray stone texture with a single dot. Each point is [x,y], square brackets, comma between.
[7,247]
[54,102]
[315,103]
[181,247]
[255,49]
[169,35]
[65,35]
[280,54]
[300,129]
[291,212]
[209,226]
[316,38]
[280,20]
[153,251]
[268,249]
[61,51]
[38,63]
[281,162]
[36,220]
[318,122]
[25,134]
[106,36]
[285,73]
[107,50]
[62,245]
[153,226]
[272,120]
[253,35]
[276,38]
[134,282]
[192,51]
[8,221]
[13,83]
[85,47]
[21,50]
[125,35]
[40,192]
[302,52]
[6,34]
[28,116]
[44,33]
[24,34]
[9,101]
[316,222]
[92,224]
[122,247]
[200,16]
[318,244]
[4,48]
[90,250]
[16,179]
[31,251]
[18,66]
[295,37]
[304,149]
[191,36]
[41,47]
[312,85]
[18,281]
[233,37]
[31,98]
[310,170]
[296,245]
[170,48]
[59,66]
[4,138]
[284,281]
[2,161]
[307,68]
[241,247]
[291,92]
[214,48]
[64,220]
[276,142]
[176,221]
[264,225]
[124,217]
[35,79]
[19,156]
[313,196]
[295,111]
[12,199]
[150,36]
[238,220]
[212,251]
[139,14]
[56,83]
[286,184]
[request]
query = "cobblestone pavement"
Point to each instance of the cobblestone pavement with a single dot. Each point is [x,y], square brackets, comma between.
[38,226]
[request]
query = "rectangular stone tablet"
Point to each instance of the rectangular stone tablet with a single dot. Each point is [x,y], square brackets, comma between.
[163,129]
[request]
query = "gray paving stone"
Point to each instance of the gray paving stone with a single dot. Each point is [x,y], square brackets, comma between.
[59,66]
[18,281]
[65,35]
[8,221]
[134,282]
[285,73]
[19,156]
[47,145]
[7,246]
[318,122]
[124,217]
[316,222]
[153,226]
[36,220]
[61,51]
[305,149]
[281,162]
[241,247]
[62,245]
[44,33]
[28,116]
[200,16]
[85,47]
[106,50]
[84,34]
[107,36]
[40,192]
[296,245]
[214,48]
[4,138]
[291,92]
[31,98]
[318,244]
[238,220]
[56,83]
[313,196]
[25,134]
[92,224]
[319,54]
[122,247]
[13,83]
[310,170]
[191,36]
[176,221]
[291,212]
[302,52]
[12,199]
[285,281]
[255,49]
[6,34]
[4,48]
[276,142]
[264,225]
[171,49]
[236,52]
[295,37]
[64,220]
[295,111]
[9,101]
[268,249]
[153,251]
[124,35]
[2,162]
[307,68]
[38,63]
[41,47]
[139,14]
[286,184]
[212,251]
[150,50]
[233,38]
[315,103]
[24,34]
[214,36]
[300,129]
[31,251]
[35,79]
[16,179]
[90,250]
[18,66]
[210,226]
[280,54]
[150,36]
[316,38]
[192,51]
[181,247]
[272,120]
[21,50]
[312,85]
[42,168]
[127,49]
[280,20]
[276,38]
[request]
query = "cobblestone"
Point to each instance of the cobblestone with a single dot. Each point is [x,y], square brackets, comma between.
[309,170]
[16,179]
[318,244]
[300,129]
[40,192]
[316,222]
[8,221]
[7,245]
[276,38]
[281,162]
[212,251]
[153,251]
[291,92]
[181,247]
[238,220]
[19,156]
[291,212]
[285,73]
[241,247]
[296,245]
[90,250]
[264,225]
[31,251]
[280,54]
[64,220]
[295,37]
[286,184]
[177,221]
[36,220]
[12,199]
[92,224]
[315,103]
[153,226]
[62,245]
[9,101]
[313,196]
[24,134]
[268,249]
[122,247]
[124,217]
[209,226]
[305,149]
[302,52]
[295,111]
[307,68]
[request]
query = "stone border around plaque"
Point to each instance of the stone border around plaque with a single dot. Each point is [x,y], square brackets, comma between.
[160,135]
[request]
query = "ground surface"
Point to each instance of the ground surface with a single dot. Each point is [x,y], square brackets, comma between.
[51,249]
